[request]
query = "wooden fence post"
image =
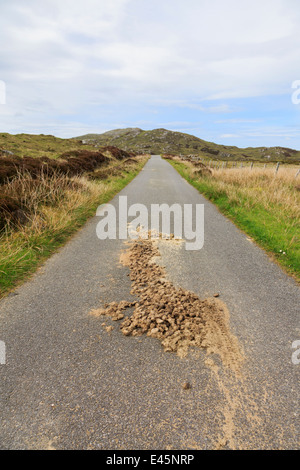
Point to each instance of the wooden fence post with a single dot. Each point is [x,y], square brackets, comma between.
[277,168]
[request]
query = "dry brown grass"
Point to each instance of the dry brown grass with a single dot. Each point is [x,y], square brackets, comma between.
[38,214]
[33,197]
[263,203]
[50,207]
[263,186]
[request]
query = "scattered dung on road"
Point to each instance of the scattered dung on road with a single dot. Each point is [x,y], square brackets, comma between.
[175,316]
[186,386]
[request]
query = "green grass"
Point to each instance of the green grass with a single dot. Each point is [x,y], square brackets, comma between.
[23,252]
[274,227]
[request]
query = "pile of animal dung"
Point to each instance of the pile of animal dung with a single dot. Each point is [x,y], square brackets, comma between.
[175,316]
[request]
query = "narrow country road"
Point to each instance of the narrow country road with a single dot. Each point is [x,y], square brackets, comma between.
[69,384]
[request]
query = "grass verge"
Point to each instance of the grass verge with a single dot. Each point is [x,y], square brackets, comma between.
[52,221]
[264,205]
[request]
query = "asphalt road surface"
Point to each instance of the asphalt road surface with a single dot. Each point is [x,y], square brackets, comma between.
[69,384]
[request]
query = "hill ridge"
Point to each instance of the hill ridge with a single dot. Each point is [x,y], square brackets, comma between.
[164,141]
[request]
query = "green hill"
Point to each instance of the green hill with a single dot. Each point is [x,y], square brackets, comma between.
[162,141]
[30,145]
[158,141]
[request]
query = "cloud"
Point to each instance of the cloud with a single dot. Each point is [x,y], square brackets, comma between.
[287,132]
[229,136]
[92,61]
[237,121]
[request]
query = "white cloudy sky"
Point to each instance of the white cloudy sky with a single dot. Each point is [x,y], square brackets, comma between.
[222,70]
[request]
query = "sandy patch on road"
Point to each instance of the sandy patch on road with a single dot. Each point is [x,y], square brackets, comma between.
[175,316]
[181,321]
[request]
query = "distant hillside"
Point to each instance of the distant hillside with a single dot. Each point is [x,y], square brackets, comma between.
[161,141]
